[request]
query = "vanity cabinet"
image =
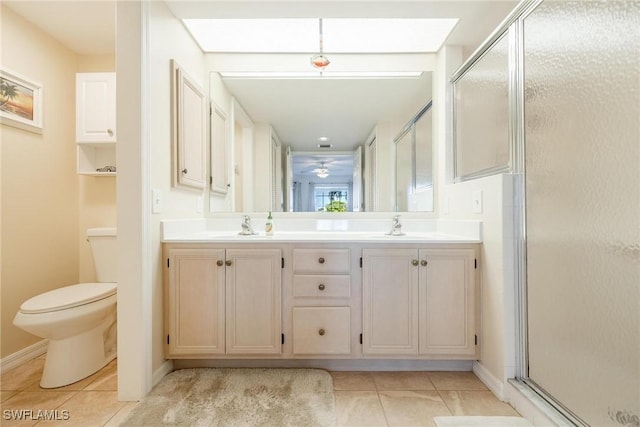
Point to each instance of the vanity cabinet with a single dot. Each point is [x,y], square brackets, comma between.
[321,312]
[329,300]
[96,123]
[419,302]
[222,301]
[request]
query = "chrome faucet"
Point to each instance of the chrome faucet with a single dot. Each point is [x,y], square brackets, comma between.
[396,227]
[247,230]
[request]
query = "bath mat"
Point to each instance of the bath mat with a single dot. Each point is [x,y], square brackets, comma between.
[481,422]
[238,397]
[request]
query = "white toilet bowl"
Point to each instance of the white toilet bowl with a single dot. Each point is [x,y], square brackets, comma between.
[78,320]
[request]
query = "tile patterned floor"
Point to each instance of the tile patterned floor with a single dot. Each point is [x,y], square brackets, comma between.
[368,399]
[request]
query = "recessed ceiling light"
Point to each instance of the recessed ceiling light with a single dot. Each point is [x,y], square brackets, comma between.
[323,138]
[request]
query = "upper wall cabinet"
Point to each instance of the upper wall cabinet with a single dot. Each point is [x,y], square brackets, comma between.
[190,125]
[96,123]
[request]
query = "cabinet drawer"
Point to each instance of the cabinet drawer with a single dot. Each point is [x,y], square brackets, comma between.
[332,261]
[321,330]
[338,286]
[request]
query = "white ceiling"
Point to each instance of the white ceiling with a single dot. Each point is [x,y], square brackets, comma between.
[300,110]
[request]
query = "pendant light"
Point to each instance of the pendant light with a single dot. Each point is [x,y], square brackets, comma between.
[319,60]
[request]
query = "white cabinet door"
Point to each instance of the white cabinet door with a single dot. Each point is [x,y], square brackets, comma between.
[95,107]
[447,302]
[254,318]
[190,128]
[195,302]
[390,301]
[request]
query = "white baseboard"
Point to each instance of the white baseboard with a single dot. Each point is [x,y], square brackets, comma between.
[493,383]
[159,373]
[21,357]
[330,364]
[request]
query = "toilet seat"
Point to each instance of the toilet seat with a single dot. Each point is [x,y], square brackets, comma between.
[68,297]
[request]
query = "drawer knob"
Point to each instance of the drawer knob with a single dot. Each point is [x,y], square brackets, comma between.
[219,263]
[228,262]
[414,262]
[109,132]
[321,260]
[423,263]
[321,332]
[321,286]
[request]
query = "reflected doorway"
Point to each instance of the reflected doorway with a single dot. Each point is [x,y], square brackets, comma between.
[324,182]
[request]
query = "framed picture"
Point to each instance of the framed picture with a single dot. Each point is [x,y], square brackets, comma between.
[20,102]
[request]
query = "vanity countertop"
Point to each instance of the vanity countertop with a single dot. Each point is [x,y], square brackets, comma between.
[313,230]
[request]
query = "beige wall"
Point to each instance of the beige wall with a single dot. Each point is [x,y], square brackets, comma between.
[43,199]
[97,194]
[168,40]
[39,218]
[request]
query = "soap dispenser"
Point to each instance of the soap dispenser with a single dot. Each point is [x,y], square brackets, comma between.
[268,227]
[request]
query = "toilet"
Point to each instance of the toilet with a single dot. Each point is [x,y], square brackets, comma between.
[78,320]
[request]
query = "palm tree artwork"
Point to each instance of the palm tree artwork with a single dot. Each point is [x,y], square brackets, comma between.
[16,99]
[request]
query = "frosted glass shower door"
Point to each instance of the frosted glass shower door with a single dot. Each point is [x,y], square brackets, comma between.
[582,140]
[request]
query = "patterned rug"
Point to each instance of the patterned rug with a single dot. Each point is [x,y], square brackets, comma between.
[238,397]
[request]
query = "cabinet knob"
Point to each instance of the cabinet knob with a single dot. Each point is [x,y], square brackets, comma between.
[414,262]
[110,132]
[184,171]
[321,260]
[229,262]
[321,286]
[424,263]
[321,332]
[219,263]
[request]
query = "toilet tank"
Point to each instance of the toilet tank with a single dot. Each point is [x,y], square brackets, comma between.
[104,249]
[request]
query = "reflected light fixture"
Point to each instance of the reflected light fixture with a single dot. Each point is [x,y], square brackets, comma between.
[319,60]
[322,172]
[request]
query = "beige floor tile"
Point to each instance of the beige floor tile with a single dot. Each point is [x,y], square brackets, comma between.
[456,381]
[402,381]
[409,408]
[5,394]
[89,409]
[106,379]
[359,408]
[28,407]
[353,381]
[476,403]
[122,414]
[22,376]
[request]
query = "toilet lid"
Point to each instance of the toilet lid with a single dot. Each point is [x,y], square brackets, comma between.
[68,297]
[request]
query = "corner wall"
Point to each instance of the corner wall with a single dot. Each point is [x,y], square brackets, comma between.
[39,182]
[96,194]
[455,201]
[168,39]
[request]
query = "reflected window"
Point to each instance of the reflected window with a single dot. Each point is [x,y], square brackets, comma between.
[331,198]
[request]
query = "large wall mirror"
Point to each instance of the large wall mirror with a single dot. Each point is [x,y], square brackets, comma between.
[325,126]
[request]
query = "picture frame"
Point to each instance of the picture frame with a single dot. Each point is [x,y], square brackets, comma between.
[20,102]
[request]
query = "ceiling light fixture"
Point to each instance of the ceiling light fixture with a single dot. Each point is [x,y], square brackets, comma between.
[319,60]
[322,172]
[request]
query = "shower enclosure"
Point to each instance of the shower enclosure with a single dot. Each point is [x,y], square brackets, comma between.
[572,69]
[581,78]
